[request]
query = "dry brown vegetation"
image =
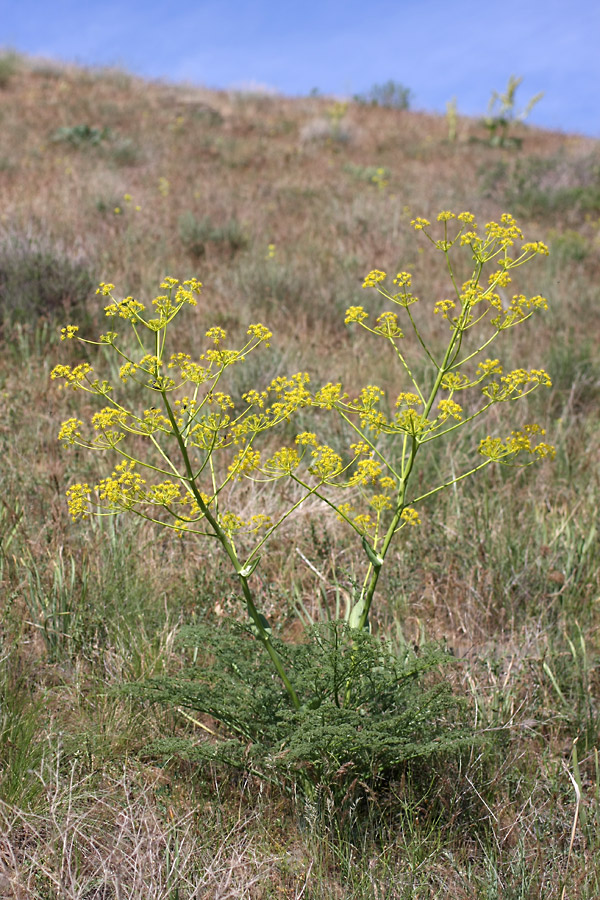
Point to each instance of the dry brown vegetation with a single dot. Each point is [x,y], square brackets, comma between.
[106,177]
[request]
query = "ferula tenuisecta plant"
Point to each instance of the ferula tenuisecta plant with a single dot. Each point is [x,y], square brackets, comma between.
[182,454]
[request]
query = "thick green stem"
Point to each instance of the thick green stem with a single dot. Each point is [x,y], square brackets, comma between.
[229,548]
[266,641]
[364,604]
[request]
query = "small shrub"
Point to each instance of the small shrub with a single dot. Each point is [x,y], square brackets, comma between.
[125,152]
[206,114]
[391,95]
[374,175]
[9,63]
[81,136]
[120,151]
[196,233]
[106,205]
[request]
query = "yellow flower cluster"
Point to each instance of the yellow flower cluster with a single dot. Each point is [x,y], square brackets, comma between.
[408,399]
[69,430]
[387,324]
[412,422]
[380,503]
[188,370]
[444,307]
[244,462]
[355,314]
[506,233]
[523,440]
[260,332]
[449,409]
[154,420]
[519,309]
[489,367]
[327,396]
[125,309]
[216,334]
[326,464]
[76,377]
[78,497]
[283,462]
[367,472]
[516,384]
[68,333]
[307,439]
[374,278]
[123,488]
[410,516]
[165,494]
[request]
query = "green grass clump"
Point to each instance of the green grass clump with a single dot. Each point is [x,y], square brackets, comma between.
[38,279]
[391,95]
[9,65]
[81,135]
[196,234]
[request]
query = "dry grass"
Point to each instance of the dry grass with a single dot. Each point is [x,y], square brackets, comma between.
[505,571]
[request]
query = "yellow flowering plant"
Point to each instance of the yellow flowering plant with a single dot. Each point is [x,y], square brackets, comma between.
[460,384]
[196,443]
[182,454]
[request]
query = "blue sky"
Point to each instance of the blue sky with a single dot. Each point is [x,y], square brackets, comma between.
[437,48]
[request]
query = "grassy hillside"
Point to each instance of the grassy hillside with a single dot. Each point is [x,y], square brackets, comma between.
[280,207]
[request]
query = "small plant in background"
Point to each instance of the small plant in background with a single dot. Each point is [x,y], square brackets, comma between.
[452,119]
[375,175]
[380,179]
[336,115]
[331,128]
[196,233]
[120,151]
[502,114]
[391,94]
[38,279]
[9,64]
[81,136]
